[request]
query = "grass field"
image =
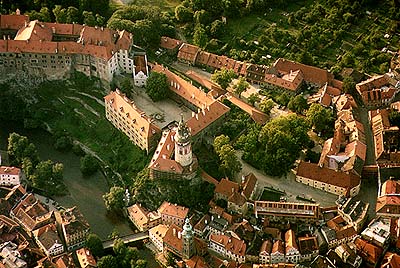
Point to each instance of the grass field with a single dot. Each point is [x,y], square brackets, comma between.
[77,108]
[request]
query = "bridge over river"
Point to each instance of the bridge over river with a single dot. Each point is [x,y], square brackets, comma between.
[127,239]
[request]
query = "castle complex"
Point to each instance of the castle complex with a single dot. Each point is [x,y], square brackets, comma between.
[54,50]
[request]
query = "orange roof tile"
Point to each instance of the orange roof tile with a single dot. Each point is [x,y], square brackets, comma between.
[310,73]
[231,244]
[278,247]
[85,258]
[226,187]
[290,81]
[290,240]
[64,28]
[367,251]
[13,22]
[266,247]
[34,31]
[326,175]
[172,237]
[188,52]
[258,116]
[9,170]
[391,260]
[372,83]
[249,185]
[169,43]
[173,210]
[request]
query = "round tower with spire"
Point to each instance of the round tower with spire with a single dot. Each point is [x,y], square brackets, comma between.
[188,240]
[183,144]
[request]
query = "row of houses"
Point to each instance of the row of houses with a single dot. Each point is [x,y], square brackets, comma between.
[283,74]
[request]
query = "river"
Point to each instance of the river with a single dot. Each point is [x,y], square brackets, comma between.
[85,192]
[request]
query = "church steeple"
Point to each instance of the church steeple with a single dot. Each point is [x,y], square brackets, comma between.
[188,240]
[183,146]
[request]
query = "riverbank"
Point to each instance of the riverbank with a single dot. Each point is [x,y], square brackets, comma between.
[85,192]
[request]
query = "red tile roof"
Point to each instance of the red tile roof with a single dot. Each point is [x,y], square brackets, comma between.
[391,260]
[173,238]
[258,116]
[34,31]
[290,240]
[372,83]
[338,178]
[367,251]
[250,181]
[226,187]
[231,244]
[278,247]
[169,43]
[13,22]
[290,81]
[9,170]
[310,73]
[188,52]
[173,210]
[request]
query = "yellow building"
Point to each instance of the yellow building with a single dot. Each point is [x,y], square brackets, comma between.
[125,116]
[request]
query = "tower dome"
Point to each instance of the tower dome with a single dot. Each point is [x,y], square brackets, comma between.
[183,132]
[187,229]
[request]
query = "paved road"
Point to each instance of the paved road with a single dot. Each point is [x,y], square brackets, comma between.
[287,184]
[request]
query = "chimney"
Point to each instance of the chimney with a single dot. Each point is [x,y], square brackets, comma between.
[197,116]
[174,231]
[179,235]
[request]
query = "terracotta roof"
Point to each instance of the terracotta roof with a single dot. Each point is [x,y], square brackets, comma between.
[258,116]
[307,245]
[203,80]
[161,159]
[231,244]
[338,178]
[310,73]
[34,31]
[47,235]
[9,170]
[169,43]
[391,260]
[140,214]
[367,251]
[85,258]
[208,178]
[372,83]
[188,52]
[203,57]
[344,101]
[275,265]
[185,89]
[159,230]
[266,247]
[64,261]
[278,247]
[290,240]
[389,202]
[73,221]
[237,199]
[290,81]
[73,29]
[172,237]
[202,223]
[249,185]
[226,187]
[206,117]
[173,210]
[127,107]
[196,262]
[13,22]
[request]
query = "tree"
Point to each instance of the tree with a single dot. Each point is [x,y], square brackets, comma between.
[266,105]
[114,199]
[349,85]
[223,77]
[119,248]
[95,245]
[139,264]
[157,86]
[19,148]
[183,14]
[88,165]
[298,104]
[60,14]
[217,28]
[72,15]
[108,261]
[253,98]
[320,118]
[229,163]
[394,118]
[241,86]
[283,99]
[45,15]
[63,143]
[88,18]
[200,37]
[220,141]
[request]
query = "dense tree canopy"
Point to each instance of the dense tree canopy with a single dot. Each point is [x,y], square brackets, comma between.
[229,164]
[88,164]
[94,243]
[223,77]
[266,105]
[241,86]
[19,148]
[275,146]
[114,199]
[298,104]
[157,86]
[321,118]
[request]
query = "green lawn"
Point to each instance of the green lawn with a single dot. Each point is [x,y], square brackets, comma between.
[76,108]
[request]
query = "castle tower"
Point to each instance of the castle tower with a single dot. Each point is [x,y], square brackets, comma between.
[188,240]
[183,146]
